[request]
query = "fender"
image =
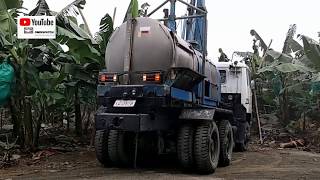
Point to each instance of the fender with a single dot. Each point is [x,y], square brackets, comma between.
[208,114]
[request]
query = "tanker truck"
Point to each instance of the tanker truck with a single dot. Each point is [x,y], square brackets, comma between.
[160,95]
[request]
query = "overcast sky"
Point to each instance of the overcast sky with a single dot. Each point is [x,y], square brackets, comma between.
[230,21]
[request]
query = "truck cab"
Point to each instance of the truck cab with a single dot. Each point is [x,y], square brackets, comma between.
[236,92]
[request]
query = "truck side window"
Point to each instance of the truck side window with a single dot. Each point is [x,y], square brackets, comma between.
[223,76]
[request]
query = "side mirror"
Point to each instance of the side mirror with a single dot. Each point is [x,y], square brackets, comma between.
[253,85]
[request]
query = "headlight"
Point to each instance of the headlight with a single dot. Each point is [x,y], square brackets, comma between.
[230,97]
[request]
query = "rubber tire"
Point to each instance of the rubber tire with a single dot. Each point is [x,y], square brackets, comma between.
[185,146]
[205,163]
[242,147]
[116,148]
[226,143]
[101,147]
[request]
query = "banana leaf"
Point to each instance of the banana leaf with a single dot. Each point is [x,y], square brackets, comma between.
[7,23]
[105,31]
[312,50]
[134,8]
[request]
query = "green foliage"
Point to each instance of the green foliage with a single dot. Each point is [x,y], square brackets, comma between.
[293,79]
[41,9]
[52,76]
[262,44]
[312,51]
[7,24]
[11,4]
[134,8]
[285,68]
[105,31]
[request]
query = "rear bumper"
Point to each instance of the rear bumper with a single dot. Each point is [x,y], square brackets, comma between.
[148,97]
[150,112]
[134,122]
[126,122]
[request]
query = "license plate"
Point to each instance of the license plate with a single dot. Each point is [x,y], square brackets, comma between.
[124,103]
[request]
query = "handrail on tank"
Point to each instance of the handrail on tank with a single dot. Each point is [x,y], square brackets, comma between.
[183,17]
[156,9]
[192,6]
[183,2]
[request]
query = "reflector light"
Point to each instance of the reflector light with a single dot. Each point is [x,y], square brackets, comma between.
[108,77]
[152,77]
[103,78]
[157,77]
[115,78]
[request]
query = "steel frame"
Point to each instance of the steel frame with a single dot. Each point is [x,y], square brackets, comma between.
[172,17]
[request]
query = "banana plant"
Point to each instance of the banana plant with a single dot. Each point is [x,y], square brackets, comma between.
[46,72]
[292,69]
[78,65]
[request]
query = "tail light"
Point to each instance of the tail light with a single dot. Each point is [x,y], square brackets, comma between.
[151,77]
[108,77]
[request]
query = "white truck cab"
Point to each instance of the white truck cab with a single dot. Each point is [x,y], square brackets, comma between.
[236,80]
[236,93]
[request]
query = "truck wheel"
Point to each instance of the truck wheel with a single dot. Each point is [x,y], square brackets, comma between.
[226,143]
[116,148]
[185,146]
[241,147]
[207,147]
[101,147]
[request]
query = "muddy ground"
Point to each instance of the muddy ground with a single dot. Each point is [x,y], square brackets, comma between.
[257,163]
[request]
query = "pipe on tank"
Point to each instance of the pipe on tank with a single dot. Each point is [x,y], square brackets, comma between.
[172,17]
[128,56]
[166,16]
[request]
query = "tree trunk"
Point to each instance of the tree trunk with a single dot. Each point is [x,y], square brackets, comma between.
[78,119]
[16,118]
[28,124]
[68,121]
[284,103]
[304,122]
[87,123]
[38,127]
[284,108]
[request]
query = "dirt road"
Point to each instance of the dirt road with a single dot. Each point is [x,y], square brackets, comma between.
[254,164]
